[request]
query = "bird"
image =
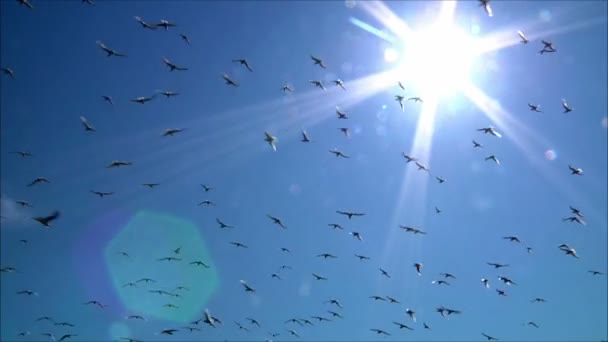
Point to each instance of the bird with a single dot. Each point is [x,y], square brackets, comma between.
[418,267]
[170,258]
[576,212]
[437,211]
[412,230]
[107,99]
[532,324]
[490,338]
[151,185]
[229,81]
[506,280]
[356,235]
[271,140]
[305,137]
[422,167]
[172,131]
[409,158]
[495,265]
[426,326]
[119,163]
[144,24]
[173,66]
[380,332]
[567,108]
[222,224]
[9,72]
[338,153]
[345,131]
[400,85]
[535,108]
[349,214]
[318,61]
[476,144]
[143,99]
[283,249]
[411,314]
[277,221]
[512,238]
[576,171]
[341,114]
[378,298]
[339,83]
[384,273]
[110,52]
[575,218]
[400,99]
[447,275]
[440,282]
[28,293]
[485,282]
[416,99]
[199,263]
[206,202]
[168,331]
[402,326]
[24,203]
[440,180]
[392,300]
[238,244]
[38,180]
[547,47]
[94,302]
[362,257]
[486,6]
[23,154]
[168,93]
[318,277]
[523,38]
[25,3]
[46,220]
[490,130]
[66,336]
[246,286]
[501,293]
[287,88]
[87,126]
[185,38]
[317,83]
[206,188]
[326,255]
[569,250]
[166,24]
[244,63]
[102,194]
[493,158]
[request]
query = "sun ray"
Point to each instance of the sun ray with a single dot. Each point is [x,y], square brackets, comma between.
[389,19]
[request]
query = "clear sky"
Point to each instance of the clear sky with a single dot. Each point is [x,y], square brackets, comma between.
[60,74]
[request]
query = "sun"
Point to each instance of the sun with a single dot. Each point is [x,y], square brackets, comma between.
[436,60]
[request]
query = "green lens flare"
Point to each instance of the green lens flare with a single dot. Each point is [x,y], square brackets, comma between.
[145,239]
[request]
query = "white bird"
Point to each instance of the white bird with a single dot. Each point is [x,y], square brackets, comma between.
[9,72]
[271,140]
[109,51]
[486,7]
[87,126]
[26,3]
[144,24]
[523,38]
[229,81]
[493,157]
[567,108]
[166,24]
[490,130]
[305,137]
[173,66]
[185,38]
[339,83]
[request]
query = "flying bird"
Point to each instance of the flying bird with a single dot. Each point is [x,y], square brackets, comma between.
[277,221]
[318,277]
[338,153]
[476,144]
[118,163]
[185,38]
[305,137]
[317,83]
[422,167]
[349,214]
[418,267]
[384,273]
[9,72]
[535,108]
[151,185]
[486,6]
[576,212]
[87,126]
[490,338]
[25,3]
[402,326]
[409,158]
[512,238]
[172,66]
[576,171]
[102,194]
[229,81]
[199,263]
[107,99]
[243,62]
[38,180]
[380,332]
[339,83]
[575,218]
[222,224]
[287,88]
[318,61]
[412,230]
[567,108]
[400,99]
[144,24]
[172,131]
[341,114]
[490,130]
[271,140]
[46,220]
[416,99]
[523,38]
[23,154]
[493,158]
[411,314]
[110,52]
[495,265]
[166,24]
[246,286]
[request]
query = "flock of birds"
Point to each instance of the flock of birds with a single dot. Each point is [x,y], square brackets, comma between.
[334,310]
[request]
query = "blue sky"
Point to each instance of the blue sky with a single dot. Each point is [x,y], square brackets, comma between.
[61,74]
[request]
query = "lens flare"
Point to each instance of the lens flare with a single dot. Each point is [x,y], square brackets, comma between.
[551,155]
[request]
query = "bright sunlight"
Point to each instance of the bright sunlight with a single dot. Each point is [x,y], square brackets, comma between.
[437,60]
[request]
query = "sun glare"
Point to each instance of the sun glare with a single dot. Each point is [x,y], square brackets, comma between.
[437,60]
